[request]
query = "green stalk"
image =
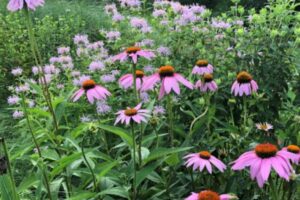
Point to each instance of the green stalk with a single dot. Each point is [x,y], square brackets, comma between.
[273,190]
[36,146]
[134,189]
[170,118]
[46,93]
[89,166]
[2,140]
[245,110]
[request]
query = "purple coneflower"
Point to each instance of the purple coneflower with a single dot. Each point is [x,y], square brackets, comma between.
[203,67]
[210,195]
[133,52]
[208,84]
[14,5]
[135,114]
[202,160]
[244,84]
[93,92]
[295,150]
[126,81]
[262,159]
[169,80]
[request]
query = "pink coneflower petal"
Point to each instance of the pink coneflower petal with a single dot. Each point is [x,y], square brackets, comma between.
[77,95]
[170,83]
[183,81]
[161,92]
[265,169]
[122,57]
[150,82]
[254,168]
[134,57]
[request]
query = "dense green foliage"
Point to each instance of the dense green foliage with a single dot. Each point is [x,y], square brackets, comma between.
[83,154]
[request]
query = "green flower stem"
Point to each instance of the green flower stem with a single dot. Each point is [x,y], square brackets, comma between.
[46,93]
[38,60]
[36,145]
[273,190]
[136,93]
[2,140]
[134,189]
[170,118]
[89,166]
[245,110]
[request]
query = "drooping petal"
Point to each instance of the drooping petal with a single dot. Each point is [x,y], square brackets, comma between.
[150,82]
[265,168]
[121,57]
[183,81]
[15,5]
[77,94]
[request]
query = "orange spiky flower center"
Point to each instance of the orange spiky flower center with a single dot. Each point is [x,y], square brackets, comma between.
[208,78]
[130,112]
[139,73]
[244,77]
[265,150]
[88,84]
[293,149]
[204,154]
[166,71]
[132,49]
[208,195]
[202,63]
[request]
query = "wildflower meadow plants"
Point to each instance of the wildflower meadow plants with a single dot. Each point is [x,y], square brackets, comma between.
[122,117]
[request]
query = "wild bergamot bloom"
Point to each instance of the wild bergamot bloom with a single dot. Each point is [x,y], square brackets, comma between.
[210,195]
[262,159]
[126,81]
[203,67]
[93,91]
[15,5]
[202,160]
[244,84]
[134,53]
[295,150]
[264,126]
[207,84]
[135,114]
[169,79]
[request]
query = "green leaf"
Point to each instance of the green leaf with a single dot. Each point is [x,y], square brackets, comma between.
[161,152]
[65,161]
[173,159]
[142,174]
[116,191]
[7,188]
[82,195]
[117,131]
[27,183]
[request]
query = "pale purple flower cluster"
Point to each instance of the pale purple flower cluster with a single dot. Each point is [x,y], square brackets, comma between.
[80,80]
[22,88]
[13,100]
[17,71]
[85,118]
[130,3]
[164,51]
[51,69]
[35,70]
[108,78]
[30,103]
[18,114]
[95,45]
[159,13]
[148,68]
[146,43]
[96,65]
[110,9]
[141,24]
[63,50]
[117,17]
[48,79]
[102,107]
[112,35]
[144,97]
[220,24]
[239,22]
[75,73]
[81,39]
[115,72]
[60,86]
[158,110]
